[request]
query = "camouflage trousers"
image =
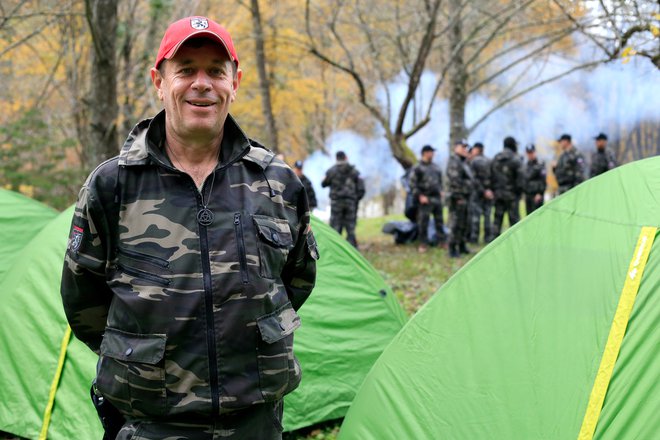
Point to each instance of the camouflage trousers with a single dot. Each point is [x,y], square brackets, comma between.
[530,204]
[343,215]
[480,207]
[458,220]
[424,212]
[263,421]
[502,206]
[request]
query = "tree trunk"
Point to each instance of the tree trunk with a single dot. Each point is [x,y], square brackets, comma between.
[264,83]
[102,104]
[457,77]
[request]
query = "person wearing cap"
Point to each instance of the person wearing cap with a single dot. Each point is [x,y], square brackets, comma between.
[346,191]
[603,159]
[426,188]
[460,182]
[535,180]
[481,200]
[189,255]
[569,169]
[507,179]
[309,188]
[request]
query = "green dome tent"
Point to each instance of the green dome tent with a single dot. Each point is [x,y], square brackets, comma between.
[350,317]
[21,218]
[546,334]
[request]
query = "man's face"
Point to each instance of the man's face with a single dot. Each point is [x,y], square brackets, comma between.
[298,171]
[474,152]
[197,87]
[427,156]
[565,144]
[531,155]
[460,150]
[601,144]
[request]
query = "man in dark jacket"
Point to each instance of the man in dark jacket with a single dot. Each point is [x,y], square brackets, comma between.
[603,158]
[535,180]
[507,180]
[426,188]
[481,200]
[189,255]
[346,190]
[569,170]
[309,188]
[459,186]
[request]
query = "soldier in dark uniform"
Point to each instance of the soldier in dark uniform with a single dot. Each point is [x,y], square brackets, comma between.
[426,188]
[459,186]
[309,188]
[507,181]
[535,180]
[569,170]
[481,201]
[603,158]
[346,190]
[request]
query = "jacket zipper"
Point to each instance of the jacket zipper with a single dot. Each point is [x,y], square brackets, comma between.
[143,257]
[144,275]
[210,321]
[240,242]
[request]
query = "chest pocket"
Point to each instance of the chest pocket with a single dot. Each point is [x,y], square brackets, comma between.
[274,243]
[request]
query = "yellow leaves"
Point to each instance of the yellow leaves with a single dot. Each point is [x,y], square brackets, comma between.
[627,54]
[26,190]
[655,30]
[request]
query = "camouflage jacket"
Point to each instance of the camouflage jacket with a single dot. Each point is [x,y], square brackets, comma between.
[344,182]
[190,321]
[482,178]
[460,180]
[507,175]
[569,170]
[602,161]
[426,179]
[309,189]
[535,177]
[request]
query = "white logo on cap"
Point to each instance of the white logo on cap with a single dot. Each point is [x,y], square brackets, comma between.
[199,23]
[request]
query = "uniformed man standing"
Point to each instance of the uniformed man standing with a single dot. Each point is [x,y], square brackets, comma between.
[309,188]
[507,180]
[603,158]
[346,190]
[481,200]
[426,188]
[569,170]
[535,180]
[459,187]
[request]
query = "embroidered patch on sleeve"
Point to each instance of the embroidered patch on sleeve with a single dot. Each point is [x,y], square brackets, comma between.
[76,238]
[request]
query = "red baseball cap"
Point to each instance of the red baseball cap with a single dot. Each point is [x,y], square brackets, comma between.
[180,31]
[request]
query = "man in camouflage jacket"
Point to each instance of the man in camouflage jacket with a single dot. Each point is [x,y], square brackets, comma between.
[460,182]
[569,170]
[185,276]
[426,187]
[535,180]
[481,200]
[346,190]
[309,188]
[507,178]
[603,158]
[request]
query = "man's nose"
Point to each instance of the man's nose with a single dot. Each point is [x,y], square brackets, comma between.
[202,81]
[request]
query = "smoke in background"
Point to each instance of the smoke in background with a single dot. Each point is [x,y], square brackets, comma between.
[609,98]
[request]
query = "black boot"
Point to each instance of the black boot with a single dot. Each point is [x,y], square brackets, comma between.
[453,251]
[463,249]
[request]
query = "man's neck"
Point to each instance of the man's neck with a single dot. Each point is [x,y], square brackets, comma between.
[194,151]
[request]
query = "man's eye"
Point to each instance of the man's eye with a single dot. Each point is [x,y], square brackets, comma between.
[186,71]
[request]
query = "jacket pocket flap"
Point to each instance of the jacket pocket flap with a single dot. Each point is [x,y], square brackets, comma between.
[133,347]
[275,231]
[278,324]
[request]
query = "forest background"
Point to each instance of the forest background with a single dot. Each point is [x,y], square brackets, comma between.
[378,79]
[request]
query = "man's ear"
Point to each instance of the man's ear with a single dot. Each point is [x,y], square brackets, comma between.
[157,80]
[236,84]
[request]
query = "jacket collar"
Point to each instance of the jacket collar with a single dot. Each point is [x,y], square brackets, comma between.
[144,144]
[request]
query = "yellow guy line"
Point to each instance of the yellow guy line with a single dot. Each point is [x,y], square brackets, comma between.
[617,331]
[54,384]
